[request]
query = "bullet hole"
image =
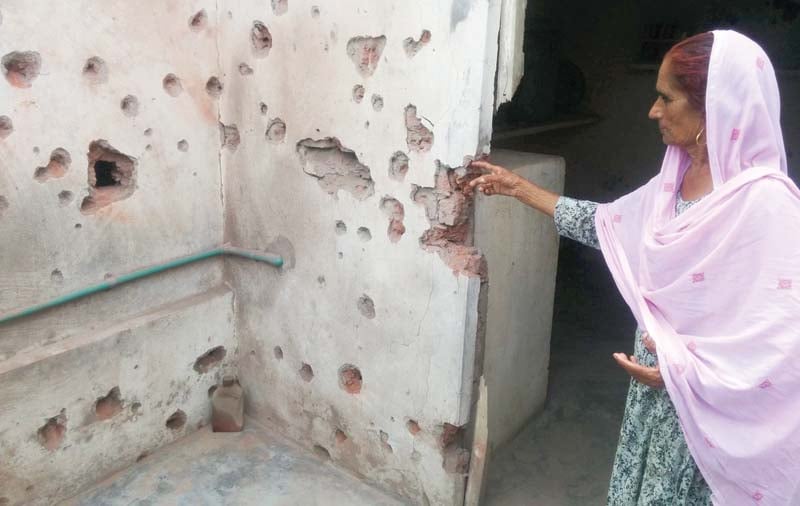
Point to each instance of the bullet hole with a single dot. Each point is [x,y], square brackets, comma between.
[398,166]
[95,70]
[21,68]
[59,163]
[199,21]
[56,277]
[418,137]
[448,210]
[341,228]
[394,210]
[176,420]
[209,359]
[385,442]
[149,147]
[172,85]
[413,427]
[350,379]
[108,406]
[321,280]
[65,198]
[112,176]
[340,255]
[3,205]
[450,434]
[412,47]
[142,456]
[136,407]
[229,136]
[6,127]
[260,39]
[366,52]
[279,7]
[364,234]
[366,307]
[377,103]
[51,434]
[263,108]
[130,106]
[78,226]
[148,132]
[321,452]
[455,456]
[245,69]
[306,372]
[276,130]
[366,125]
[340,437]
[358,93]
[335,167]
[278,352]
[183,145]
[314,11]
[214,87]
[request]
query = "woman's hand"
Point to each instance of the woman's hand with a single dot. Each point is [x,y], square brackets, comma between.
[498,181]
[649,376]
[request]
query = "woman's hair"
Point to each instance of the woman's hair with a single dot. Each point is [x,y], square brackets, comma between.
[688,64]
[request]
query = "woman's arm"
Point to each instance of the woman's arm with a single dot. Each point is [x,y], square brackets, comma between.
[573,218]
[501,181]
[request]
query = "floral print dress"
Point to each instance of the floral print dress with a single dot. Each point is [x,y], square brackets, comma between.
[653,466]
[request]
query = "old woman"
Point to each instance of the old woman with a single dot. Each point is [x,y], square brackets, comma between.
[707,257]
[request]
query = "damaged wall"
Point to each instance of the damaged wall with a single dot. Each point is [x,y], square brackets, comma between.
[107,164]
[362,347]
[340,133]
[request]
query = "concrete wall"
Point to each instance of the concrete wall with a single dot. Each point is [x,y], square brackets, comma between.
[144,338]
[521,248]
[374,248]
[77,410]
[340,132]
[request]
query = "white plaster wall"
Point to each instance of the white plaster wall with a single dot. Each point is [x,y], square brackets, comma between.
[68,357]
[176,208]
[416,355]
[521,248]
[150,359]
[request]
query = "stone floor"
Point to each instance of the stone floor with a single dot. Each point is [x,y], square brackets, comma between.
[563,457]
[249,468]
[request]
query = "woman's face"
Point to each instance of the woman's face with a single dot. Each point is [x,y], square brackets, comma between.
[678,121]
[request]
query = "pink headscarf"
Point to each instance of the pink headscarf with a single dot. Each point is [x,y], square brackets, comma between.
[718,287]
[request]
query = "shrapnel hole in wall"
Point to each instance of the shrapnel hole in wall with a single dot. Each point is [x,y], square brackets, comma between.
[21,68]
[112,176]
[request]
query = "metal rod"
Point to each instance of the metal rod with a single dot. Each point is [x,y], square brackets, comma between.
[269,258]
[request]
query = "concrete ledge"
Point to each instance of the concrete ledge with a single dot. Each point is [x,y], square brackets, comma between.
[151,362]
[521,248]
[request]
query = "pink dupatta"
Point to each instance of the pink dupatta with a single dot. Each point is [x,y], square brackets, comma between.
[718,287]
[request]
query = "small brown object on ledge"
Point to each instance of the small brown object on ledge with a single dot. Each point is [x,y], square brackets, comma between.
[227,406]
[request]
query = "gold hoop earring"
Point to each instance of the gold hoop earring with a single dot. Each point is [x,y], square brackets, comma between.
[697,138]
